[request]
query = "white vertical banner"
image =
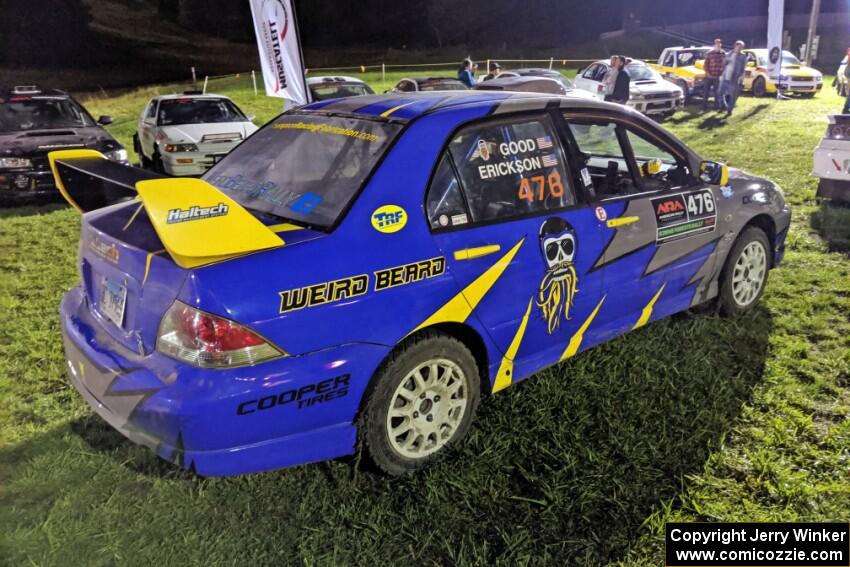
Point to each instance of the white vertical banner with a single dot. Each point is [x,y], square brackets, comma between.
[280,50]
[775,13]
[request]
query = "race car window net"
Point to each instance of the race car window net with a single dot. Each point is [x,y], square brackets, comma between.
[22,113]
[511,169]
[303,167]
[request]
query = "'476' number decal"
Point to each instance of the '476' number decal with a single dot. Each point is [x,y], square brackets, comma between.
[700,204]
[540,187]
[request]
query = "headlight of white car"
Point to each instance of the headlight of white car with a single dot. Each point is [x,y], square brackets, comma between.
[14,162]
[172,148]
[117,155]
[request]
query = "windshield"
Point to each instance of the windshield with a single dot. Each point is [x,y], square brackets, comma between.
[339,91]
[688,57]
[20,113]
[639,73]
[788,58]
[443,86]
[198,111]
[303,167]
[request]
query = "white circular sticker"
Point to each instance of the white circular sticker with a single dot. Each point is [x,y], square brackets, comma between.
[601,215]
[444,220]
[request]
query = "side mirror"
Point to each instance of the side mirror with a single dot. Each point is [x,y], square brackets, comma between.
[714,173]
[104,120]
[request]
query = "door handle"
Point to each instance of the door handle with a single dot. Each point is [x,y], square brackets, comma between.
[477,252]
[622,221]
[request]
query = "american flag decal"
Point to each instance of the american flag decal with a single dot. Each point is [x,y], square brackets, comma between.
[549,160]
[544,142]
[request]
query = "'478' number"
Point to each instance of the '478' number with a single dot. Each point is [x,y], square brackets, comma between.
[539,187]
[700,204]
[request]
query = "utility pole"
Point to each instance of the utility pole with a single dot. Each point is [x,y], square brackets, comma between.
[813,27]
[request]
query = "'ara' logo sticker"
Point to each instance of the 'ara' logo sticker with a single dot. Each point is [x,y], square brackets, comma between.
[196,213]
[389,219]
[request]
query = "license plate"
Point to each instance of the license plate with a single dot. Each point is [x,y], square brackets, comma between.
[113,300]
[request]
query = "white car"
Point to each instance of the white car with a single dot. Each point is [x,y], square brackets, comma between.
[832,160]
[336,86]
[185,134]
[650,93]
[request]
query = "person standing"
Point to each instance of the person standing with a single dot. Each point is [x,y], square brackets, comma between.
[494,71]
[713,67]
[846,109]
[610,78]
[464,74]
[622,82]
[733,71]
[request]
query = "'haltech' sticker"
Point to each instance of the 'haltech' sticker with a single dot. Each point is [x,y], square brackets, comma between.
[336,290]
[684,214]
[196,213]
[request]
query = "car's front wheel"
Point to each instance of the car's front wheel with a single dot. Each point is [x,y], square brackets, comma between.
[759,87]
[422,400]
[745,274]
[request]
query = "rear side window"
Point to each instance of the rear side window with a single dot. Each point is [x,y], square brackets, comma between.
[445,206]
[511,169]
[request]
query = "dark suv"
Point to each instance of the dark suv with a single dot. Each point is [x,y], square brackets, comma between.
[36,121]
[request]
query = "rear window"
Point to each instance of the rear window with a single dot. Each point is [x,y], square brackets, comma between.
[326,92]
[302,167]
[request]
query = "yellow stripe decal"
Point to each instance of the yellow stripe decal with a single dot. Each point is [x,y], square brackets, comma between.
[148,264]
[284,227]
[461,305]
[504,377]
[387,113]
[132,218]
[647,311]
[575,342]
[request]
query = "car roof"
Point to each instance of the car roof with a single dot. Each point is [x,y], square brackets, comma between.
[333,79]
[6,92]
[421,80]
[516,80]
[406,107]
[176,96]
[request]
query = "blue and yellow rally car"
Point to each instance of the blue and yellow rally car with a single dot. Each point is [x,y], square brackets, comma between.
[362,270]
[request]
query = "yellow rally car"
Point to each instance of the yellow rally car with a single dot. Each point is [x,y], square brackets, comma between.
[794,78]
[683,66]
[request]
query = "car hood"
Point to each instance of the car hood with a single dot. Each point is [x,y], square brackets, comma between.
[37,142]
[654,86]
[800,71]
[194,133]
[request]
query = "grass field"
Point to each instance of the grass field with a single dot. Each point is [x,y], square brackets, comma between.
[691,418]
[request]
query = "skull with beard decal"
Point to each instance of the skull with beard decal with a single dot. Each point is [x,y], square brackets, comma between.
[560,282]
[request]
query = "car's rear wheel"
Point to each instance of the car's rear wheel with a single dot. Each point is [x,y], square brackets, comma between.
[759,87]
[745,274]
[422,400]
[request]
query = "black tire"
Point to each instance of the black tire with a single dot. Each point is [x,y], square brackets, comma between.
[156,163]
[843,89]
[731,301]
[807,95]
[394,375]
[759,87]
[684,86]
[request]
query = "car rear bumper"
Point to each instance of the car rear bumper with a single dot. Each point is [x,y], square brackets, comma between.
[656,106]
[218,422]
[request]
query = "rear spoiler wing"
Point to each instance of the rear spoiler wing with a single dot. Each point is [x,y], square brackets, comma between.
[197,223]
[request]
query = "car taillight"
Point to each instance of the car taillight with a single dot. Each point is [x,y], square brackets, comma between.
[209,341]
